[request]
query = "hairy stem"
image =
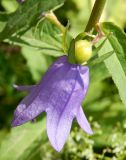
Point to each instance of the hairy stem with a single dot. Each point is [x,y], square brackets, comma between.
[95,14]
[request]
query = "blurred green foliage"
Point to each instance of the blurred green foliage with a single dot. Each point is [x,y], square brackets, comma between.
[26,65]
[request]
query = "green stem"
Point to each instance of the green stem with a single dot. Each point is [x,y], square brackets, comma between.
[96,14]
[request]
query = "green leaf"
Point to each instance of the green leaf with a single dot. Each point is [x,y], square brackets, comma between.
[27,15]
[3,19]
[37,62]
[10,6]
[4,16]
[3,134]
[116,64]
[91,96]
[22,141]
[98,72]
[46,39]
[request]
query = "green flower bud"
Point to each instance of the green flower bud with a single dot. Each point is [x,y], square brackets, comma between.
[83,51]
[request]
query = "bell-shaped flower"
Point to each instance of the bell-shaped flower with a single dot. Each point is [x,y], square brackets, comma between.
[59,94]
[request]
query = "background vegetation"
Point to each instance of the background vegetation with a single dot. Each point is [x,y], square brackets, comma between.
[22,64]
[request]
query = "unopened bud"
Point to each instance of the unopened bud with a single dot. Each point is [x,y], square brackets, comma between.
[83,51]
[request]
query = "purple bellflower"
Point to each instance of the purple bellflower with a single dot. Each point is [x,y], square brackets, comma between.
[59,94]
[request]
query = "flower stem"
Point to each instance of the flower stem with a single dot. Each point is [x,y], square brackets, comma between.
[95,14]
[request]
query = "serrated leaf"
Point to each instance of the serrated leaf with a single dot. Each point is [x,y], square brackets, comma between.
[47,39]
[27,15]
[116,64]
[22,141]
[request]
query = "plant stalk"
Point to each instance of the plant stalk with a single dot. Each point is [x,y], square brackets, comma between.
[95,14]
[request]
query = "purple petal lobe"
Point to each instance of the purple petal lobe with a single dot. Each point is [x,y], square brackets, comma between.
[37,100]
[83,122]
[59,115]
[58,128]
[28,108]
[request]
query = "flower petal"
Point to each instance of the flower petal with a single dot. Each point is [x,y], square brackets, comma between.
[28,108]
[37,100]
[66,98]
[83,122]
[54,68]
[58,128]
[59,114]
[84,78]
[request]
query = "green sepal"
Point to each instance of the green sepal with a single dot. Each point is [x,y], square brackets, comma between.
[97,49]
[83,36]
[71,52]
[95,59]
